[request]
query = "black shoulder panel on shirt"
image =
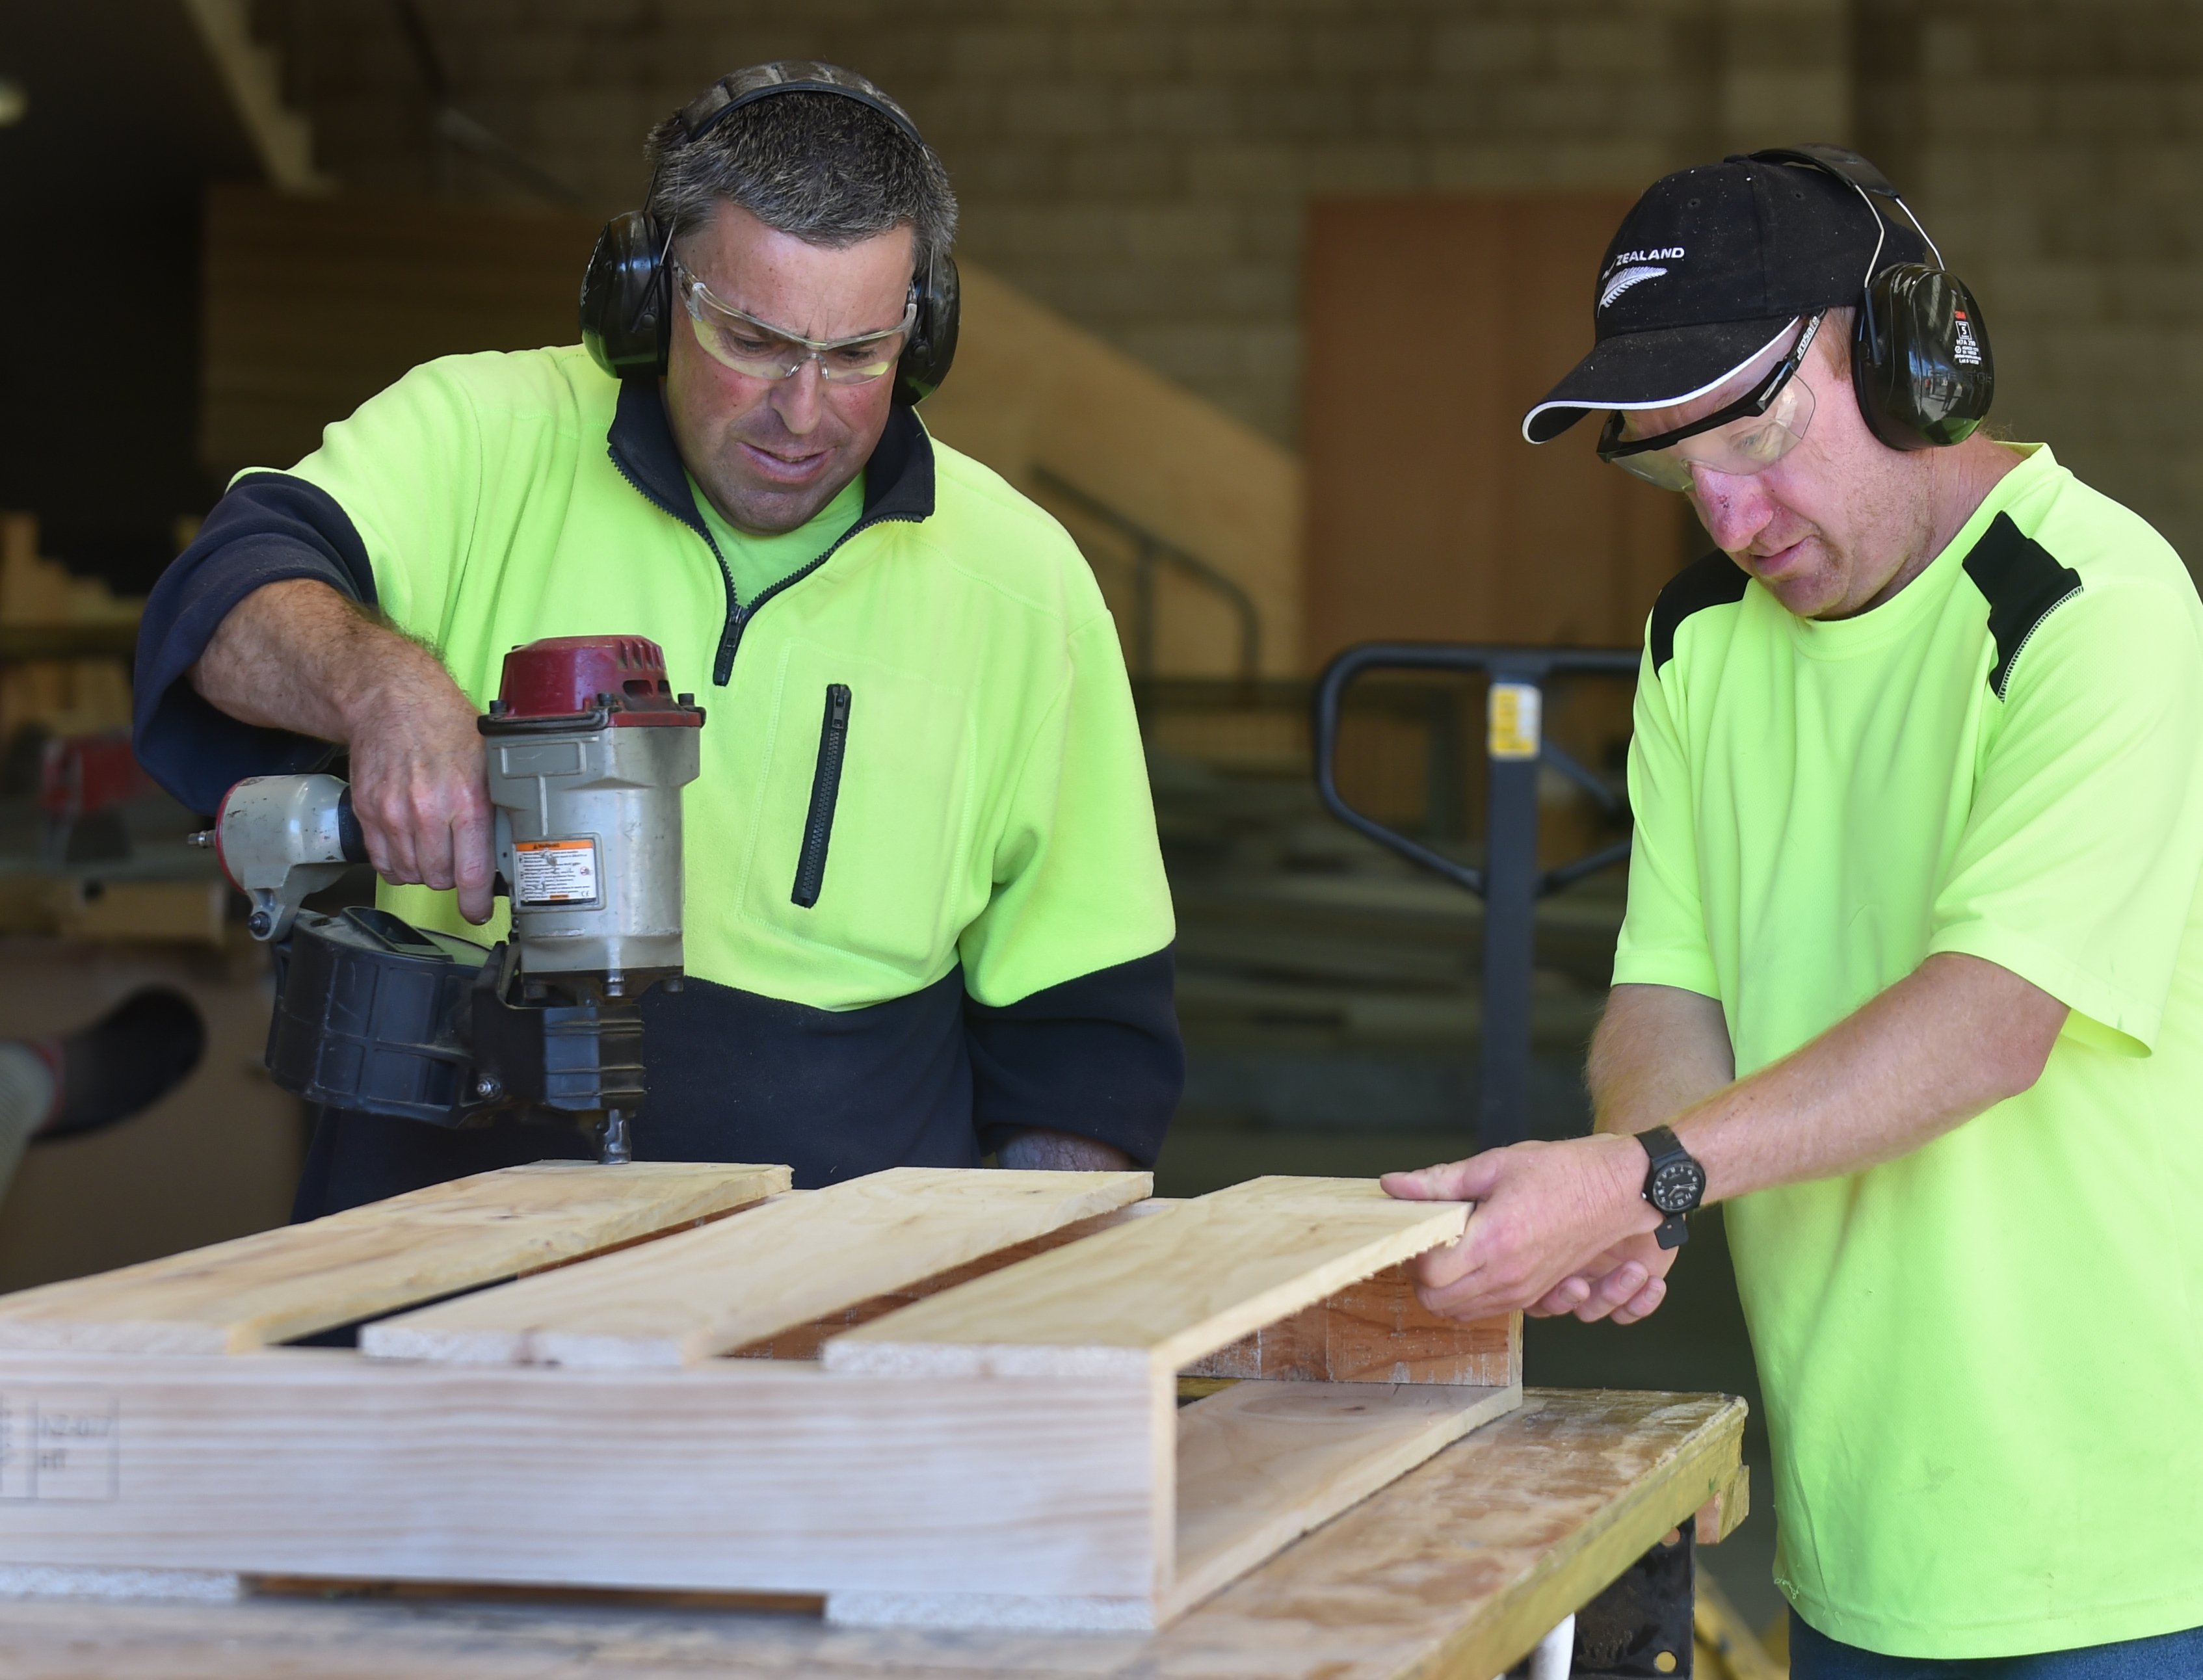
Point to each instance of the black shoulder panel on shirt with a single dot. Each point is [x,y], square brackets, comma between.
[1717,580]
[2022,582]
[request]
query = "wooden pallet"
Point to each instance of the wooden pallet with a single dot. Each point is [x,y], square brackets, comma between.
[955,1402]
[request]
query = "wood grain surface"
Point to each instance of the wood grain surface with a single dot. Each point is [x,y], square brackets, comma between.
[707,1292]
[739,1475]
[1263,1463]
[1453,1571]
[288,1282]
[1156,1293]
[1375,1331]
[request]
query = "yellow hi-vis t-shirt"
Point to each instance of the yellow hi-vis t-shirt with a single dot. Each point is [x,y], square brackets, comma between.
[1983,1362]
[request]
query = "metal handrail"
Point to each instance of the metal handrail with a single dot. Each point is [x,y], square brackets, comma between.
[1510,882]
[1150,550]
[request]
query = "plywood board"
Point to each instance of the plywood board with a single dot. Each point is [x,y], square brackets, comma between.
[743,1476]
[281,1284]
[707,1292]
[1460,1566]
[1156,1293]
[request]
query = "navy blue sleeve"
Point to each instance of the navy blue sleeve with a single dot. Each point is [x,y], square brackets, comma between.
[270,527]
[1099,1056]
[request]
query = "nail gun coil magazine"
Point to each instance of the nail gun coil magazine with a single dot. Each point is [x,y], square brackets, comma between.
[367,1013]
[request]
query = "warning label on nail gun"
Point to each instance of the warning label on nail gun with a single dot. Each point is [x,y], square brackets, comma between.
[554,872]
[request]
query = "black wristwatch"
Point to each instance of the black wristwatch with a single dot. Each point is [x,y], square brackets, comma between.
[1675,1183]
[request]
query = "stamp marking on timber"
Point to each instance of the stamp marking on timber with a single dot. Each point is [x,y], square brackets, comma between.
[59,1444]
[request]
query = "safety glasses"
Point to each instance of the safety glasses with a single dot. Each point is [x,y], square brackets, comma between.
[740,340]
[1745,436]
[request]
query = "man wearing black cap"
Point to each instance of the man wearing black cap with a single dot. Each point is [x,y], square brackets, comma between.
[1911,976]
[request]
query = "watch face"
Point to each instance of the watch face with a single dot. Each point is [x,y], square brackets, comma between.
[1676,1186]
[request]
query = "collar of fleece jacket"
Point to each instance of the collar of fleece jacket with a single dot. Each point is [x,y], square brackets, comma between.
[898,479]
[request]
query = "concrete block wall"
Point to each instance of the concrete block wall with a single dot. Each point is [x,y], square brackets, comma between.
[1143,165]
[2056,148]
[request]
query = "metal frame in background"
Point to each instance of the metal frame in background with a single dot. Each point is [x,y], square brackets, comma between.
[1510,882]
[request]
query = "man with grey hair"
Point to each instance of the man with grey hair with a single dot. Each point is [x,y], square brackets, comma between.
[925,914]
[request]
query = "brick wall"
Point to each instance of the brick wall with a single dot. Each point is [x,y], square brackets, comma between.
[1144,165]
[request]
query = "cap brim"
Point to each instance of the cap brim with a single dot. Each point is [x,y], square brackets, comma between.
[1652,370]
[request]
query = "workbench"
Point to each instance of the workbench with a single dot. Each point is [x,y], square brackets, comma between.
[1455,1570]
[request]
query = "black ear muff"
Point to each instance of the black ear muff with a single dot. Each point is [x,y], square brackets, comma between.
[1920,358]
[926,359]
[627,291]
[627,297]
[1919,353]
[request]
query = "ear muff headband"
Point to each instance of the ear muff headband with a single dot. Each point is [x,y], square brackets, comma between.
[1921,365]
[627,294]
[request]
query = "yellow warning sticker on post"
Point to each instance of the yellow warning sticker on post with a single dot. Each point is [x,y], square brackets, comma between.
[1513,719]
[554,872]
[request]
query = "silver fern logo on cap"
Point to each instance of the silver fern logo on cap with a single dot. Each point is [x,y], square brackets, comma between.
[1629,277]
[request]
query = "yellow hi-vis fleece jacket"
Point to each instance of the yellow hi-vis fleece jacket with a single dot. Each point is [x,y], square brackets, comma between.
[986,947]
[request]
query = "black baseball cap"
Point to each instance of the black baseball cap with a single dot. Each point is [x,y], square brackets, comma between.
[1712,266]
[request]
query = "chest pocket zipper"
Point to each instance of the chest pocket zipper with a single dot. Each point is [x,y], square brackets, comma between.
[825,789]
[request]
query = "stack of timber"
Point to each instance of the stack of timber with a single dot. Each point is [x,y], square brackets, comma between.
[989,1433]
[64,641]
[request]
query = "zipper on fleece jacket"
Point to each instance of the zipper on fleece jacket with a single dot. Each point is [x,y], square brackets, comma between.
[825,790]
[738,616]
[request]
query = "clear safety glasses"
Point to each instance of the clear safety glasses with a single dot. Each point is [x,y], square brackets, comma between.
[1747,436]
[740,341]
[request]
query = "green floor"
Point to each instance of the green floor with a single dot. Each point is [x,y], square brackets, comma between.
[1695,1342]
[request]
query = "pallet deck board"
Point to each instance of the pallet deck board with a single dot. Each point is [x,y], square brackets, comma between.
[292,1281]
[1155,1294]
[690,1297]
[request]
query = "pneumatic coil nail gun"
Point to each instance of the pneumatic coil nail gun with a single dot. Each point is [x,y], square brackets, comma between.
[587,750]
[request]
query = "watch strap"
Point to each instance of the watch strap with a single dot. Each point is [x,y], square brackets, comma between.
[1663,1147]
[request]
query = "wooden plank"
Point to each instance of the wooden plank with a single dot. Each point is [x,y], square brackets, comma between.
[739,1476]
[290,1282]
[687,1298]
[804,1341]
[1157,1293]
[1263,1463]
[1723,1514]
[1375,1331]
[1455,1570]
